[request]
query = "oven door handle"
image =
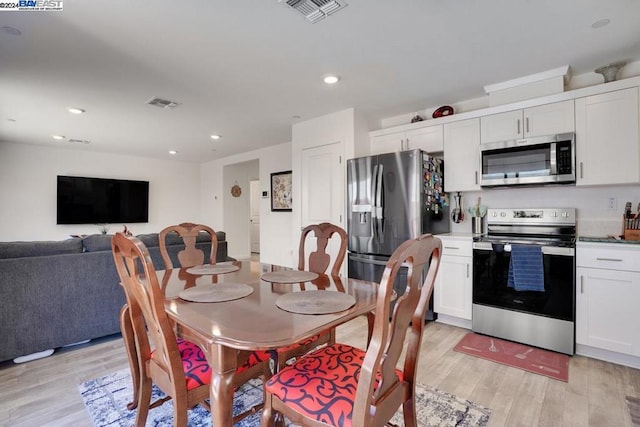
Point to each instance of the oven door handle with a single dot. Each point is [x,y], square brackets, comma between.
[546,250]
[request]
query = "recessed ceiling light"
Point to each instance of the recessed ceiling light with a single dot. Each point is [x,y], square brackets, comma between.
[58,137]
[173,152]
[215,136]
[331,79]
[74,110]
[601,23]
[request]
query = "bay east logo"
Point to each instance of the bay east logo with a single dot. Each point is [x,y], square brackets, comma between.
[31,5]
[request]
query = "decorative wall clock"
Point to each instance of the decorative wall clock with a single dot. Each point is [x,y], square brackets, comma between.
[236,191]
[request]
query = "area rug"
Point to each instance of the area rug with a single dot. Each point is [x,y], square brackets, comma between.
[106,401]
[543,362]
[634,410]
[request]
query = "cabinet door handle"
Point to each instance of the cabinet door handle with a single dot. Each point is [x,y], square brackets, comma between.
[527,124]
[581,174]
[467,270]
[451,247]
[609,259]
[406,144]
[476,177]
[582,284]
[518,125]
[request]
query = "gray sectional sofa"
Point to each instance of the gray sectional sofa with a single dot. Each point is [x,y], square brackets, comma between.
[57,293]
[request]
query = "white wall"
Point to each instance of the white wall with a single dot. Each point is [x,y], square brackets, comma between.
[28,189]
[275,227]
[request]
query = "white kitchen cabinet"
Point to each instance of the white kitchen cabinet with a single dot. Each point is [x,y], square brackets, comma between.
[387,143]
[453,286]
[547,119]
[607,295]
[429,139]
[462,155]
[607,144]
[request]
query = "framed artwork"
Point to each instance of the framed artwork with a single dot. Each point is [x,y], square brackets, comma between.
[281,191]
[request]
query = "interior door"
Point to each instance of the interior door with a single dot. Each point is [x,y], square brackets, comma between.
[323,189]
[254,216]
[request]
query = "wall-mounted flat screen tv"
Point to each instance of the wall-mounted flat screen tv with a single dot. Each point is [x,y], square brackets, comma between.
[83,200]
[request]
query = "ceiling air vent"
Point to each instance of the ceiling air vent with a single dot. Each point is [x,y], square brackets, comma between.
[162,103]
[315,10]
[79,141]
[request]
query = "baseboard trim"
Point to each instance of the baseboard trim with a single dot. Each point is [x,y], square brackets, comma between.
[454,321]
[608,356]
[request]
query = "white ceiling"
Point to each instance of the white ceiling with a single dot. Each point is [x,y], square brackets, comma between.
[245,68]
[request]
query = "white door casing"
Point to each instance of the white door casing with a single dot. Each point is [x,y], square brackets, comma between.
[254,215]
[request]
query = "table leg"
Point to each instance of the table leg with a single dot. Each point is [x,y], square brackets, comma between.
[223,361]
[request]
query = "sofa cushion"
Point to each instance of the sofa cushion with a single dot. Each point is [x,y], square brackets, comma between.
[40,248]
[149,240]
[97,242]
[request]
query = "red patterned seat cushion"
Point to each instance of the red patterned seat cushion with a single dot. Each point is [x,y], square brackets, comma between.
[197,371]
[322,385]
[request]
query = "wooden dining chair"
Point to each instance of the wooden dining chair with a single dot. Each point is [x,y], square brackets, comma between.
[341,385]
[177,366]
[190,256]
[317,261]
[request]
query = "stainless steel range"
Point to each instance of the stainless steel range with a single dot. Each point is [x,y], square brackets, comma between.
[524,277]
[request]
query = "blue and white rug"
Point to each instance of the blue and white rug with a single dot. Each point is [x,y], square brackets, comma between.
[106,400]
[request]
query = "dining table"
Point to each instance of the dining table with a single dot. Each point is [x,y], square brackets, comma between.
[228,329]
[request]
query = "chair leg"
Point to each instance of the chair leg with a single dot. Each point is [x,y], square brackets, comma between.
[179,413]
[268,417]
[409,413]
[126,329]
[144,399]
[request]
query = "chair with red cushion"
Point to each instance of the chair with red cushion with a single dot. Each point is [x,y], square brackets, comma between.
[178,367]
[190,256]
[340,385]
[317,261]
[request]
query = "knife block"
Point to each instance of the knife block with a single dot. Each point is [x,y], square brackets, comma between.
[631,227]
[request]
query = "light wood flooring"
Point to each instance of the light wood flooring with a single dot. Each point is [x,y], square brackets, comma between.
[44,392]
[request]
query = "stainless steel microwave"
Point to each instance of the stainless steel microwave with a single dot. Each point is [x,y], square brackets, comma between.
[541,160]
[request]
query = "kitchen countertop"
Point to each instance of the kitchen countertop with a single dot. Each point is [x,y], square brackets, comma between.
[605,239]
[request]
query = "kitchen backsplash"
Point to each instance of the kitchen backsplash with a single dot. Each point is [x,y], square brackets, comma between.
[591,203]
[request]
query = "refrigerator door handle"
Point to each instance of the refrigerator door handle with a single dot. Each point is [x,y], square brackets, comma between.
[379,202]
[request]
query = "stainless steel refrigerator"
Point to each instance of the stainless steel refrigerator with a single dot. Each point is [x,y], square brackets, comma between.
[392,197]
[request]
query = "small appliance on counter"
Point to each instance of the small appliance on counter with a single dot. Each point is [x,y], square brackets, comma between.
[631,223]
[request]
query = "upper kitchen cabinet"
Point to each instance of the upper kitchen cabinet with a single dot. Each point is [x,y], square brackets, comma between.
[428,138]
[607,145]
[462,155]
[547,119]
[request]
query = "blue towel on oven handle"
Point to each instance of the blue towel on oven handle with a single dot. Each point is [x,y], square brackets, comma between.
[526,268]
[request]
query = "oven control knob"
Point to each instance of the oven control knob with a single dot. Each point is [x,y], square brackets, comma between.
[494,214]
[503,214]
[565,214]
[554,214]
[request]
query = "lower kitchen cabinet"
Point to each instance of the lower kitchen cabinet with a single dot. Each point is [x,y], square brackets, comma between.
[453,286]
[607,297]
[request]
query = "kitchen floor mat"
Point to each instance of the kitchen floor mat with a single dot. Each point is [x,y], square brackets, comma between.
[532,359]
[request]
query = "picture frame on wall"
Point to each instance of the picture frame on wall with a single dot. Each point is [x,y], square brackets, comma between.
[281,184]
